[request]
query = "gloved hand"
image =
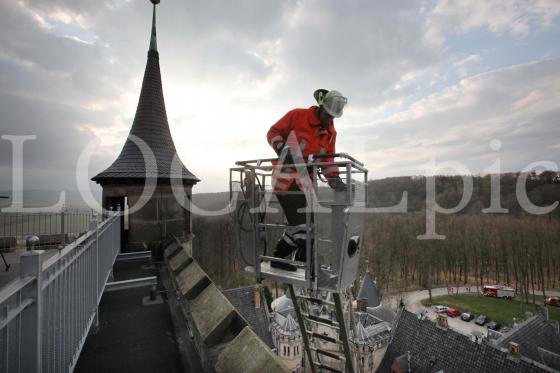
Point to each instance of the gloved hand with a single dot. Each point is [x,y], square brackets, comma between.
[288,159]
[337,184]
[279,148]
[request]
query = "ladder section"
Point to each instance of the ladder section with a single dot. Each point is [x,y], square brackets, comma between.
[324,335]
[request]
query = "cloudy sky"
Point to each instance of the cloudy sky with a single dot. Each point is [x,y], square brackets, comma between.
[425,80]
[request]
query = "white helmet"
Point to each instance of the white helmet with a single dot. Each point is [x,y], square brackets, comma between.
[334,102]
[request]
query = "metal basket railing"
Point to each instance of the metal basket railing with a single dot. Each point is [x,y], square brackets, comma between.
[259,220]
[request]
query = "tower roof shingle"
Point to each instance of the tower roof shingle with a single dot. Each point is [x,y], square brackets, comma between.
[368,291]
[243,299]
[149,133]
[435,349]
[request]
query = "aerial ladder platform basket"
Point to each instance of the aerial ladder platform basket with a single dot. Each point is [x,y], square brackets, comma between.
[334,226]
[334,223]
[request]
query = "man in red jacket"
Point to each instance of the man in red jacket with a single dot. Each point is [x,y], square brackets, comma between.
[300,133]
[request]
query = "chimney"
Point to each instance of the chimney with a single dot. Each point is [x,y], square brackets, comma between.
[257,298]
[476,336]
[555,325]
[361,305]
[514,349]
[441,321]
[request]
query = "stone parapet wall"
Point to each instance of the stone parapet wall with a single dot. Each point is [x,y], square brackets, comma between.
[222,337]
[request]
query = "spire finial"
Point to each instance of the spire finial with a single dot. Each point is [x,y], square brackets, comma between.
[153,40]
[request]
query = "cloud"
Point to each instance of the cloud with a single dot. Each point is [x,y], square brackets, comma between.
[57,89]
[517,105]
[363,48]
[514,17]
[71,70]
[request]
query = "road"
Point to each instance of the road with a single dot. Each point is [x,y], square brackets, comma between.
[413,300]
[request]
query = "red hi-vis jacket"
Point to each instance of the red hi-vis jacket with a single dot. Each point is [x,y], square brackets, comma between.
[311,138]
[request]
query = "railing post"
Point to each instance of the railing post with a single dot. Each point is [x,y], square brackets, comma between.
[63,228]
[119,241]
[111,234]
[93,226]
[31,330]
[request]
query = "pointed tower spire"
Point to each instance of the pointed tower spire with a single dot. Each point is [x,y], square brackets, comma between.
[368,291]
[361,333]
[150,125]
[153,39]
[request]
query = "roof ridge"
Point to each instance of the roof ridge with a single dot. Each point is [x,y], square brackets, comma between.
[361,333]
[290,324]
[516,330]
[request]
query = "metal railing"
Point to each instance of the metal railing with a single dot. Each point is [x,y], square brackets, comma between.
[53,228]
[46,313]
[333,225]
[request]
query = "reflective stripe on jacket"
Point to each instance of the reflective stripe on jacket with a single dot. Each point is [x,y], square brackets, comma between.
[312,139]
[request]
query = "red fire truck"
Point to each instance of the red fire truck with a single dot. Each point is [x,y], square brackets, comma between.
[498,291]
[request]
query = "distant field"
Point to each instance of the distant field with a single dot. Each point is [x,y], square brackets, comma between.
[500,310]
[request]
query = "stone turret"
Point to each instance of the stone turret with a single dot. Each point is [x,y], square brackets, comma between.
[149,160]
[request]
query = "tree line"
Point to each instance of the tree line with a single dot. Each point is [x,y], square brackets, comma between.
[515,248]
[542,190]
[522,251]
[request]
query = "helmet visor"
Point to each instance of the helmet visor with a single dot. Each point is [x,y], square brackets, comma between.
[334,105]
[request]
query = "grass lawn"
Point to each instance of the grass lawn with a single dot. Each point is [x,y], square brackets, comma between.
[500,310]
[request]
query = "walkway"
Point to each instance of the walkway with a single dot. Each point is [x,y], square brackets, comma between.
[133,337]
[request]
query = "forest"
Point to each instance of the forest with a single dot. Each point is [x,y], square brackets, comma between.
[514,248]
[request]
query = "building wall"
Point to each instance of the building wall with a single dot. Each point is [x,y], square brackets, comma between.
[289,349]
[364,357]
[158,219]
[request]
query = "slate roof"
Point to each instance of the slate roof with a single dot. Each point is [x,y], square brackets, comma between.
[368,291]
[366,319]
[534,333]
[243,299]
[433,349]
[290,325]
[150,126]
[382,313]
[549,358]
[370,329]
[361,334]
[402,362]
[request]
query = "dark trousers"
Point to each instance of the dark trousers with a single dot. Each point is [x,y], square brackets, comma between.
[295,235]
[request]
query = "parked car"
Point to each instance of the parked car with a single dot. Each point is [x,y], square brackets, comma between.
[453,312]
[440,309]
[552,301]
[467,316]
[493,325]
[481,320]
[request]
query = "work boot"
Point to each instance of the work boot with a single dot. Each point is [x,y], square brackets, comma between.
[283,250]
[301,254]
